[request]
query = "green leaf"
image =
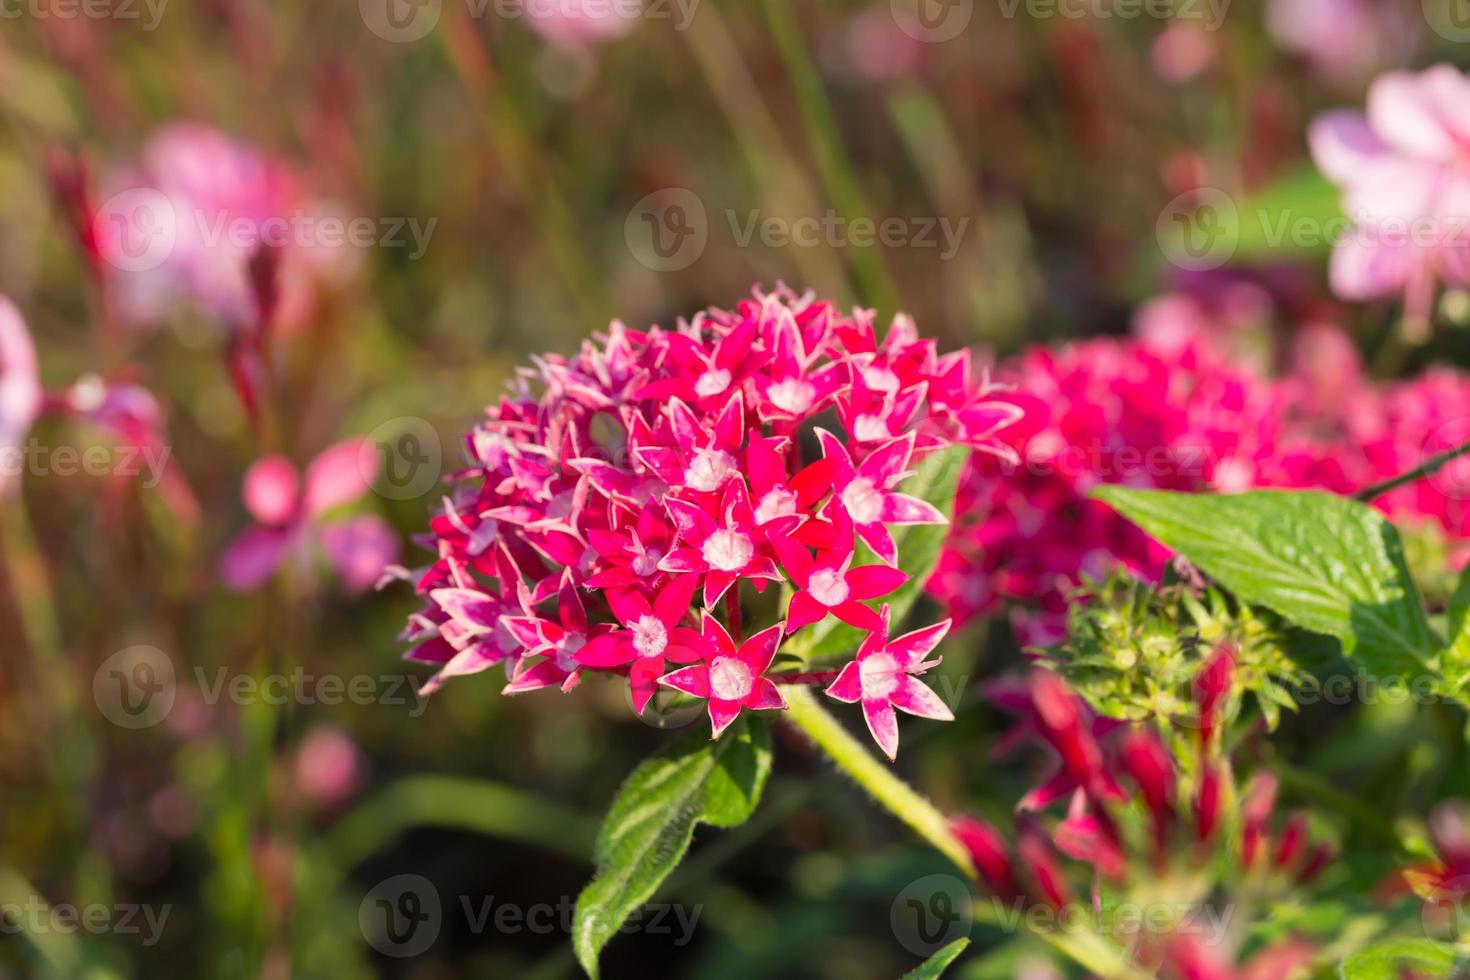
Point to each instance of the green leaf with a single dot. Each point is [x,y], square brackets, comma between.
[935,480]
[935,965]
[1329,564]
[1457,655]
[1389,961]
[652,820]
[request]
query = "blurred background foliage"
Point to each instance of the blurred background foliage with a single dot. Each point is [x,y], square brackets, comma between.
[1059,141]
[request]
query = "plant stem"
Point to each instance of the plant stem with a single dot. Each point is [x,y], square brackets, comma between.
[878,779]
[1429,467]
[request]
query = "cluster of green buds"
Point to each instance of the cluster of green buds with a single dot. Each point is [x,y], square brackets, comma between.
[1134,649]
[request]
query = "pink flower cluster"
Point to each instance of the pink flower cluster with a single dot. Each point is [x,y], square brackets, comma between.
[615,497]
[1107,771]
[1169,411]
[1101,411]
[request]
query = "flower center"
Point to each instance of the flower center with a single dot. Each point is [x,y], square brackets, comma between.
[779,502]
[709,471]
[712,382]
[828,587]
[863,501]
[646,563]
[869,428]
[730,680]
[650,636]
[879,675]
[792,396]
[727,550]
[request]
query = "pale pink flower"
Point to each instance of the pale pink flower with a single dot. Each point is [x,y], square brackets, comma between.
[292,524]
[582,23]
[1404,168]
[20,386]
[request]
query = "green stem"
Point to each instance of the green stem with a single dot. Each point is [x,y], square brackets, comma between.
[1429,467]
[878,779]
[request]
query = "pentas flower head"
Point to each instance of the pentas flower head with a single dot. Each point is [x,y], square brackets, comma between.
[624,508]
[1175,417]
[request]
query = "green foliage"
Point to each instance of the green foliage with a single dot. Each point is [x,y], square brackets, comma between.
[651,823]
[1133,650]
[1327,563]
[935,965]
[1403,958]
[935,480]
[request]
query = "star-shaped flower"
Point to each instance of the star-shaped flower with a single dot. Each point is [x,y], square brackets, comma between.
[865,491]
[884,676]
[652,635]
[731,679]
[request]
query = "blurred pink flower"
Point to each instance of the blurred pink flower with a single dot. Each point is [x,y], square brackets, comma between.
[20,387]
[1404,168]
[582,23]
[290,521]
[1364,36]
[186,222]
[329,768]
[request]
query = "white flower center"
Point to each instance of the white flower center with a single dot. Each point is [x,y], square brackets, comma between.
[828,587]
[730,679]
[863,501]
[712,382]
[779,502]
[792,396]
[727,550]
[709,471]
[879,675]
[647,563]
[650,636]
[880,379]
[869,428]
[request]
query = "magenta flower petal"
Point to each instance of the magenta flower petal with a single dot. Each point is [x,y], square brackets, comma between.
[359,548]
[271,490]
[914,696]
[336,477]
[690,680]
[253,557]
[722,714]
[884,726]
